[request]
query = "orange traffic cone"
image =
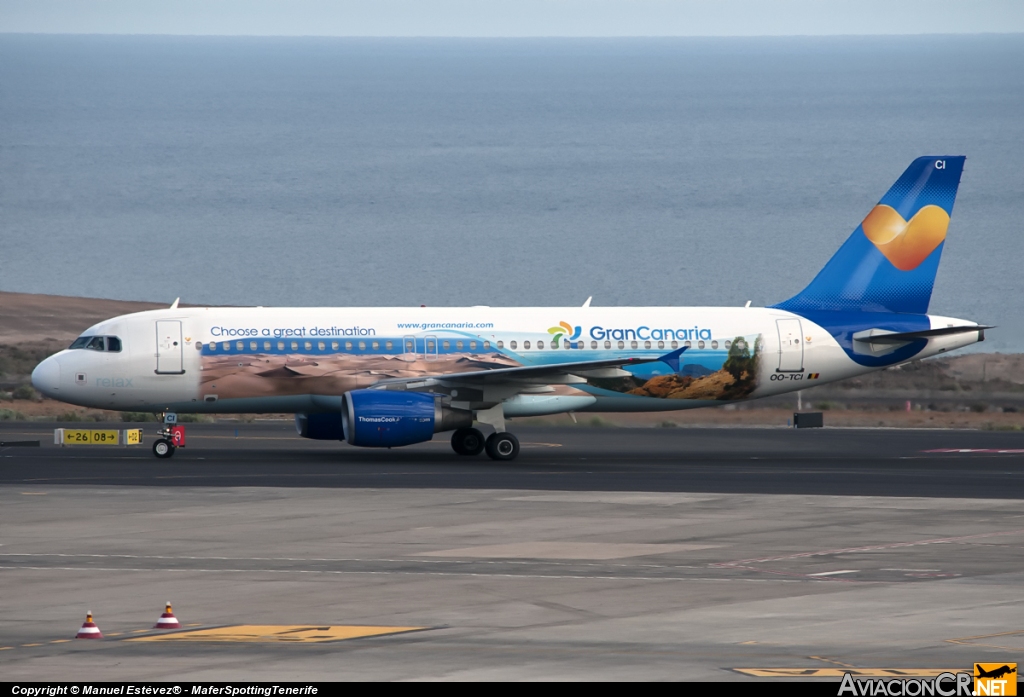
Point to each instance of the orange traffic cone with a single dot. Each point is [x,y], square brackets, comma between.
[167,620]
[89,629]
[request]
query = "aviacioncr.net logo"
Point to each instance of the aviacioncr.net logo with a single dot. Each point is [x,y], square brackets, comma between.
[565,329]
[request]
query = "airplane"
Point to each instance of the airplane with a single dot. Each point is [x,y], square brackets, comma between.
[995,673]
[389,377]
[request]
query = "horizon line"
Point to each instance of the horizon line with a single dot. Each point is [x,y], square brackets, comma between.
[515,36]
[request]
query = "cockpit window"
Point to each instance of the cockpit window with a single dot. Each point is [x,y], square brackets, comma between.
[97,343]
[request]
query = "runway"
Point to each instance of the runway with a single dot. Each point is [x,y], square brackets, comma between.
[853,462]
[598,554]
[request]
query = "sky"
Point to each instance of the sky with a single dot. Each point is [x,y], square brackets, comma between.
[511,18]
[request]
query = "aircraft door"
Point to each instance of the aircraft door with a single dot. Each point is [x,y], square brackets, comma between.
[169,348]
[791,346]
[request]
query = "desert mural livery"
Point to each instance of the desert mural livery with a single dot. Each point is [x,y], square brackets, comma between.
[386,377]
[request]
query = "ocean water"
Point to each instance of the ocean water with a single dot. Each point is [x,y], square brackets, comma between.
[266,171]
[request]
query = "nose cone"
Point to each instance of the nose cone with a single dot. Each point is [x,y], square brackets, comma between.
[46,376]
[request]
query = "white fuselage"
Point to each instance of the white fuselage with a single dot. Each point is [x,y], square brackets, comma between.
[261,360]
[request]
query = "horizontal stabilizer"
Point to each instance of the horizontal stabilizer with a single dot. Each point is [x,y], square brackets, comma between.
[882,336]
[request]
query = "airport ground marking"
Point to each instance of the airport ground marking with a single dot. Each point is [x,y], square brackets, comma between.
[464,574]
[868,548]
[829,660]
[989,451]
[971,640]
[840,672]
[290,634]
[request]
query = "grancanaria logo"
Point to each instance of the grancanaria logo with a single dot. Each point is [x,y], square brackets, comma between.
[566,329]
[906,243]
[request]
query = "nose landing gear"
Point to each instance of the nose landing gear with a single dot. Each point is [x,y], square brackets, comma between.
[172,437]
[163,448]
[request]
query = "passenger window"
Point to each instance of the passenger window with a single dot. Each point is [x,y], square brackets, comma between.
[700,344]
[554,343]
[226,345]
[661,344]
[446,344]
[472,346]
[458,345]
[622,344]
[348,345]
[526,344]
[307,345]
[647,344]
[362,345]
[334,346]
[512,345]
[240,345]
[266,345]
[387,345]
[376,345]
[487,344]
[295,346]
[199,346]
[321,346]
[252,345]
[607,344]
[687,344]
[501,344]
[675,344]
[728,343]
[280,346]
[114,344]
[714,344]
[632,344]
[593,344]
[540,344]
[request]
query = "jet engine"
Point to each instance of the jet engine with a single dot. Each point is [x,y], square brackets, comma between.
[384,419]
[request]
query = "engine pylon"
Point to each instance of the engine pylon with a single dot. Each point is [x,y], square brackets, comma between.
[167,620]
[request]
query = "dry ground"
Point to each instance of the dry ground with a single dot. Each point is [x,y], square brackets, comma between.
[981,390]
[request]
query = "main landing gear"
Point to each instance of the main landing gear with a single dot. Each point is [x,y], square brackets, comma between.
[499,446]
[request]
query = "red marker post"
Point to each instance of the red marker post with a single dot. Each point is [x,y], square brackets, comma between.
[178,436]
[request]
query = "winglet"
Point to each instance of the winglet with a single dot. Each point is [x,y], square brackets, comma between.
[174,305]
[672,359]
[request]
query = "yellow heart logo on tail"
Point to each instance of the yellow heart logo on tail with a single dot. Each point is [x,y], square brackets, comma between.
[906,243]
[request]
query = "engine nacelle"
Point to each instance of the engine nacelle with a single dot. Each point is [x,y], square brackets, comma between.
[325,426]
[387,419]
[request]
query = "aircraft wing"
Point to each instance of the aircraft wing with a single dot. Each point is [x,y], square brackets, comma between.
[553,372]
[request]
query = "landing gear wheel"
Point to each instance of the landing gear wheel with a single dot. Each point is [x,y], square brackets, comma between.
[163,448]
[467,441]
[502,446]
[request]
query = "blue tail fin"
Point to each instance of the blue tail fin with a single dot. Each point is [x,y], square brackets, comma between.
[889,262]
